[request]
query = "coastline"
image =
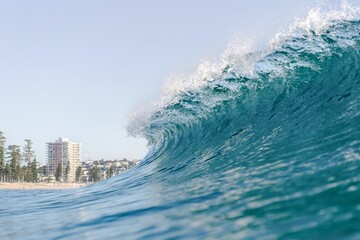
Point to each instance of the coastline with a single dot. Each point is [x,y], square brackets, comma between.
[40,186]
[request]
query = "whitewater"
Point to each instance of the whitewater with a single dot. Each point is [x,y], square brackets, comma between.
[261,145]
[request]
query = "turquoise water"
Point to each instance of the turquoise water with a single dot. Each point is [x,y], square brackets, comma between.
[268,147]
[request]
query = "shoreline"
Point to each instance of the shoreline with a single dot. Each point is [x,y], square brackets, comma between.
[40,186]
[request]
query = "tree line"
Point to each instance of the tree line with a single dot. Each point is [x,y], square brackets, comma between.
[11,158]
[59,172]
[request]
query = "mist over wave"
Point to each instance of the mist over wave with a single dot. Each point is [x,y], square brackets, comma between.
[261,145]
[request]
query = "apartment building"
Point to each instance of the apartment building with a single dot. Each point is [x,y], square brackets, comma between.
[65,153]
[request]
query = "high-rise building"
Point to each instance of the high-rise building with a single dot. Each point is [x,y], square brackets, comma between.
[63,153]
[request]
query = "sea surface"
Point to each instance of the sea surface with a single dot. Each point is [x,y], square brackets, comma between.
[266,145]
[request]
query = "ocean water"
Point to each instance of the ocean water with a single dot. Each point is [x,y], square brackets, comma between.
[264,146]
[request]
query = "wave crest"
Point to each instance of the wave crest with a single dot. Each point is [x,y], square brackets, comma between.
[292,60]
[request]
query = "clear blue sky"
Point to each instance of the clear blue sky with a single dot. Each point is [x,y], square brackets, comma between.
[79,68]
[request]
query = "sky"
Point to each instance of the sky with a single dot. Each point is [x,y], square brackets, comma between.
[79,68]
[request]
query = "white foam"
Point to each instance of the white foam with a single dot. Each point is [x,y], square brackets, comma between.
[317,20]
[235,56]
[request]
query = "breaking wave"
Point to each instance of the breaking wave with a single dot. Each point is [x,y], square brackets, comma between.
[262,144]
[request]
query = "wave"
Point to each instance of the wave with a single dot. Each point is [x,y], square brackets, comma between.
[257,83]
[262,144]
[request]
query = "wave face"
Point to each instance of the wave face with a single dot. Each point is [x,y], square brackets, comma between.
[267,153]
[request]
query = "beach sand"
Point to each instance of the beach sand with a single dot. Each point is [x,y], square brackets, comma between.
[43,186]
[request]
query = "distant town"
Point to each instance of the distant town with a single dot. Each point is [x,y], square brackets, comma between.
[63,164]
[89,171]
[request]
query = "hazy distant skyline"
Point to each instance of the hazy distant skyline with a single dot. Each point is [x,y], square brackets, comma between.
[78,69]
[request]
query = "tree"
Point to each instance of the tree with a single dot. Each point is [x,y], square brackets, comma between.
[2,156]
[110,172]
[14,156]
[25,174]
[58,172]
[78,173]
[7,173]
[44,170]
[28,153]
[67,172]
[95,174]
[34,173]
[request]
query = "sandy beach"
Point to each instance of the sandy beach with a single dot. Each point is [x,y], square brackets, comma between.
[43,186]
